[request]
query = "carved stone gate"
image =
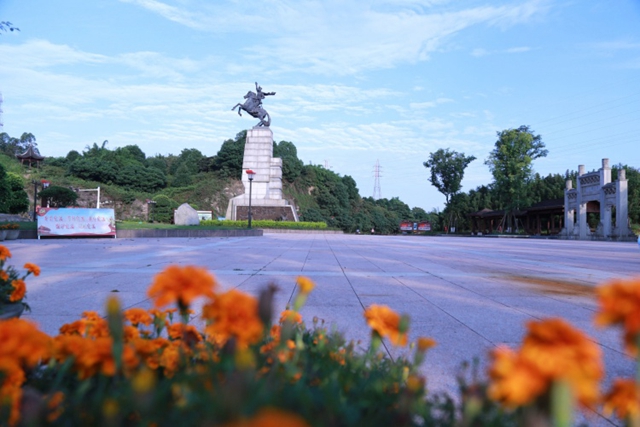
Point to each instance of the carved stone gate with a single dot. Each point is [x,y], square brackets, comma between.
[597,187]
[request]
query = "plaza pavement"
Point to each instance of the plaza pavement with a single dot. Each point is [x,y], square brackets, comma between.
[469,294]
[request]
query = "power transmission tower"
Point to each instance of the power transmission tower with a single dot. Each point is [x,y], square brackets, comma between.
[377,173]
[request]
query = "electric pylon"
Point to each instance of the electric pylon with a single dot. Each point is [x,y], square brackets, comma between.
[377,173]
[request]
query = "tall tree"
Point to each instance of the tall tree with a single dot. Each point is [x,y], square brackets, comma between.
[510,163]
[447,170]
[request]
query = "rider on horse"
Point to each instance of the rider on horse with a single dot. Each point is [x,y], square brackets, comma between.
[253,106]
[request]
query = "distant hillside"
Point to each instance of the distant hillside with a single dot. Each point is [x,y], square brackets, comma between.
[128,179]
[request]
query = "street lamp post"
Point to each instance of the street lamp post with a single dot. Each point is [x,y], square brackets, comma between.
[43,184]
[250,175]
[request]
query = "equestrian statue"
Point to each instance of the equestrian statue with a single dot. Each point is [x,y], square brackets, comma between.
[253,106]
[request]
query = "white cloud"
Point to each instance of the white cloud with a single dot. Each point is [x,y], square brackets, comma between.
[172,13]
[42,53]
[518,49]
[480,52]
[615,45]
[338,37]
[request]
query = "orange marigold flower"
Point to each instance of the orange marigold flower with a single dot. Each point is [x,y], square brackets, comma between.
[91,355]
[290,315]
[32,268]
[138,315]
[271,417]
[4,253]
[552,350]
[233,314]
[514,381]
[169,359]
[180,331]
[305,284]
[130,333]
[150,350]
[91,325]
[386,322]
[560,351]
[19,290]
[425,344]
[4,276]
[11,388]
[623,399]
[22,342]
[181,285]
[55,406]
[619,302]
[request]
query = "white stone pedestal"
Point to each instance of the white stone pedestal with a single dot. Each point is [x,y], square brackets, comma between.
[266,191]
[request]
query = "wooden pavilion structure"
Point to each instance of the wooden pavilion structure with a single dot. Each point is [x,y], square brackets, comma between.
[543,218]
[31,155]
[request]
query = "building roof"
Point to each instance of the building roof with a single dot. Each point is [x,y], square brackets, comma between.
[31,154]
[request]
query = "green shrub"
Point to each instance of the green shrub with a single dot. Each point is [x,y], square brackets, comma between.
[58,197]
[267,223]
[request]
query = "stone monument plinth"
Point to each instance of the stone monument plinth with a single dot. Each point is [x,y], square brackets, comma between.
[266,190]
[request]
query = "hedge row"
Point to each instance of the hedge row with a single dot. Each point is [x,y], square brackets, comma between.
[267,223]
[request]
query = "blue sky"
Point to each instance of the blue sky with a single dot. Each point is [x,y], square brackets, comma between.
[357,82]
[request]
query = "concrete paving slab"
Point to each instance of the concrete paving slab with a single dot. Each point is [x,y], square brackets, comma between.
[469,294]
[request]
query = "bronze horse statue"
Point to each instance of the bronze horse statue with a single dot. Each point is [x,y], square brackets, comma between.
[253,106]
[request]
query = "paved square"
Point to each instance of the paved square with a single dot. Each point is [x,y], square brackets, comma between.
[469,294]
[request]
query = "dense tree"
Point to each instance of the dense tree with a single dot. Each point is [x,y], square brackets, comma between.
[189,159]
[291,164]
[18,200]
[510,163]
[163,209]
[13,198]
[228,162]
[12,146]
[124,166]
[58,197]
[546,188]
[447,170]
[182,177]
[633,189]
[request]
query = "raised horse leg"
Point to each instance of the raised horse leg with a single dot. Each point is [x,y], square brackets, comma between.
[239,109]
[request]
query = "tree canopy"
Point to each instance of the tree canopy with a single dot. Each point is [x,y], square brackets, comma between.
[58,197]
[447,170]
[13,198]
[11,146]
[510,163]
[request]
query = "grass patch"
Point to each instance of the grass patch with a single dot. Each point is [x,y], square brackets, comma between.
[139,225]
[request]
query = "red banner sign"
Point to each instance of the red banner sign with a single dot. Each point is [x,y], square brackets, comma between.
[76,222]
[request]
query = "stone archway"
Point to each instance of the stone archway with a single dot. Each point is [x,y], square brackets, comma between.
[596,188]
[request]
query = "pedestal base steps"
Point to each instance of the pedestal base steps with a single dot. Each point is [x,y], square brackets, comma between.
[276,213]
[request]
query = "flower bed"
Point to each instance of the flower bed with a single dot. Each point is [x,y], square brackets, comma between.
[244,365]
